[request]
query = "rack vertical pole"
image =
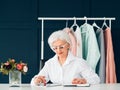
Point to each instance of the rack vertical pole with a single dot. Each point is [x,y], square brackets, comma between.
[42,44]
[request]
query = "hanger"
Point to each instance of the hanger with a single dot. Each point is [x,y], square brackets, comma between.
[104,23]
[95,25]
[85,19]
[75,23]
[66,23]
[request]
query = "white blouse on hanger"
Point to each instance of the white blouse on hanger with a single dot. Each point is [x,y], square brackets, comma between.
[77,32]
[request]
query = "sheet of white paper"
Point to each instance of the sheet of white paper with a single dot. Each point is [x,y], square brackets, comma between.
[52,85]
[83,85]
[76,85]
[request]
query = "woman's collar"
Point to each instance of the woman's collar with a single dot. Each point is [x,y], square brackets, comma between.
[69,58]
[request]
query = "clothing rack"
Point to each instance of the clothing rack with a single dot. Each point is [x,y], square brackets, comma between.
[65,18]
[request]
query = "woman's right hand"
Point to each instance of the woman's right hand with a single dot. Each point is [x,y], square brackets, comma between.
[40,79]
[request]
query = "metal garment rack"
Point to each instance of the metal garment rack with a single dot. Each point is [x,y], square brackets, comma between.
[64,18]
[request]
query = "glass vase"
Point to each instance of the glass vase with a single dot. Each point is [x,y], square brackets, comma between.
[15,78]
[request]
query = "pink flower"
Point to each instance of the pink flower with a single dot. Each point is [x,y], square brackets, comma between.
[19,66]
[7,63]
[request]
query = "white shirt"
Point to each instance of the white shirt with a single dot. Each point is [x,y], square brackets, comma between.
[79,42]
[73,67]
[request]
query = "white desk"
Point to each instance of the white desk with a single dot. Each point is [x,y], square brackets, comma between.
[92,87]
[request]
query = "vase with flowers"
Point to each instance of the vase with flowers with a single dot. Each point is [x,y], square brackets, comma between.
[14,70]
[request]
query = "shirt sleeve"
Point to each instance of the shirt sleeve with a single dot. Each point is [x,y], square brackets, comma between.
[43,72]
[89,74]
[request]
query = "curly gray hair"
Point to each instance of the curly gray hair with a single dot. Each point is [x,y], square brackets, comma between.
[60,34]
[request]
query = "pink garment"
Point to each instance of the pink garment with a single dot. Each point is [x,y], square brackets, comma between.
[110,64]
[73,40]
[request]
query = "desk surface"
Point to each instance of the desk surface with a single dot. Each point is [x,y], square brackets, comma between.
[92,87]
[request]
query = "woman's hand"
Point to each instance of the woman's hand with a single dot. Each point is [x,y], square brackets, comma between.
[40,79]
[79,81]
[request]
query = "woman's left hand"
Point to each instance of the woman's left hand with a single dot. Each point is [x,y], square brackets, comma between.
[79,81]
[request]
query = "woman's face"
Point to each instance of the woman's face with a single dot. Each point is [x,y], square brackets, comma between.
[60,47]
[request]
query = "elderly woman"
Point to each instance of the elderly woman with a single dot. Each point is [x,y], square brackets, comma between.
[64,67]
